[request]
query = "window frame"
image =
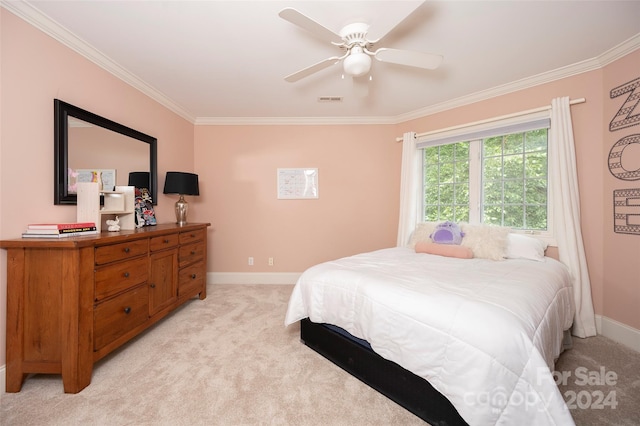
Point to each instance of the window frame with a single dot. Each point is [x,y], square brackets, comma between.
[475,133]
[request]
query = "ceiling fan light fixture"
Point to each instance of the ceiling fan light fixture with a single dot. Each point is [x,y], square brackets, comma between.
[357,63]
[355,45]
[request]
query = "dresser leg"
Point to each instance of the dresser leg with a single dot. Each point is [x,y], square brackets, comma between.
[77,368]
[14,380]
[75,386]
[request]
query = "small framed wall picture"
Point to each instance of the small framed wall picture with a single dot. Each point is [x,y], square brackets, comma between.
[105,177]
[297,183]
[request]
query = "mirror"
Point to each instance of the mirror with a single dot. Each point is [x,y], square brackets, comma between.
[87,145]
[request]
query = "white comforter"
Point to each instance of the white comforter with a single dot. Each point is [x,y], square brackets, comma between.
[484,333]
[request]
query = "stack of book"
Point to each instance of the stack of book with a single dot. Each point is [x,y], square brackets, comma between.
[60,230]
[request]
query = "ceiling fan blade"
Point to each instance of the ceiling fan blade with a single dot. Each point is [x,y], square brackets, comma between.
[291,78]
[409,58]
[379,30]
[297,18]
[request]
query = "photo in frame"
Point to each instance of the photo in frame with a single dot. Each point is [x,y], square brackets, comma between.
[105,177]
[145,215]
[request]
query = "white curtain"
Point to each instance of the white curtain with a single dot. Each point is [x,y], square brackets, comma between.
[408,188]
[566,214]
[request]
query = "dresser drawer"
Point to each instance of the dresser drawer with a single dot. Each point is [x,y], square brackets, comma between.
[117,277]
[114,252]
[115,317]
[191,279]
[163,242]
[187,237]
[191,253]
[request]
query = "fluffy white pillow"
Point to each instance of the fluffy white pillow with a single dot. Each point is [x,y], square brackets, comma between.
[486,241]
[524,247]
[421,233]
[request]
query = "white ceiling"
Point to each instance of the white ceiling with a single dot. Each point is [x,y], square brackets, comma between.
[220,61]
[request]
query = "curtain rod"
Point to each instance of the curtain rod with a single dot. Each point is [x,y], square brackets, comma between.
[489,120]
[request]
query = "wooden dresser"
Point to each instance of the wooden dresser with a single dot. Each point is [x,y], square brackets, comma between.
[72,301]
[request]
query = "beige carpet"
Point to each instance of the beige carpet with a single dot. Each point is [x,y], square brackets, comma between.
[228,360]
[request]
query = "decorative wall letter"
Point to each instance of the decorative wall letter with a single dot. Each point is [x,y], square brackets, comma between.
[623,118]
[626,211]
[626,202]
[615,158]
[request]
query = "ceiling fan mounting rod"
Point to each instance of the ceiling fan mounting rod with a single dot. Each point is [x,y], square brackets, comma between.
[354,34]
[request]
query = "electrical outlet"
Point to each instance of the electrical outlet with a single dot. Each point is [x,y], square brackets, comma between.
[271,261]
[250,261]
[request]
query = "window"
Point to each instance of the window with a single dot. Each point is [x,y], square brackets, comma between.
[497,176]
[514,180]
[446,182]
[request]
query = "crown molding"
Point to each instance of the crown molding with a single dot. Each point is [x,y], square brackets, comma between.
[620,50]
[35,17]
[281,121]
[606,58]
[525,83]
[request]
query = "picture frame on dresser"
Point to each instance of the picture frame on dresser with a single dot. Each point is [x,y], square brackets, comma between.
[145,214]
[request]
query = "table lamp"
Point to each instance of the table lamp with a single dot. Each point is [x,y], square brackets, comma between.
[139,180]
[181,183]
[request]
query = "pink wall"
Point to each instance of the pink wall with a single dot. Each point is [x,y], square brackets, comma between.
[357,208]
[36,69]
[359,168]
[621,254]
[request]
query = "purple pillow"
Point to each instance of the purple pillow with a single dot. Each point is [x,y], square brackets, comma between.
[447,233]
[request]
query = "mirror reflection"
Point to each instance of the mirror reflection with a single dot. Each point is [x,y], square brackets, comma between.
[94,149]
[89,147]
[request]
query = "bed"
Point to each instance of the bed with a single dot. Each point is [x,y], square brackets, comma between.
[455,341]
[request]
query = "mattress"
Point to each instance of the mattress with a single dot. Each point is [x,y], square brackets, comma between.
[484,333]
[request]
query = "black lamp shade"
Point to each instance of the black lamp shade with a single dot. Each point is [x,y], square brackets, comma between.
[139,179]
[181,183]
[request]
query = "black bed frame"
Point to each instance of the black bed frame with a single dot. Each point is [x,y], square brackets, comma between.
[405,388]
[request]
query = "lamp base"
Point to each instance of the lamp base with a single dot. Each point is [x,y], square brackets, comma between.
[182,207]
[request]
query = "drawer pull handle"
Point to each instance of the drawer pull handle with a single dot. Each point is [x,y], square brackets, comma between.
[166,241]
[127,310]
[193,276]
[126,275]
[193,252]
[152,285]
[127,250]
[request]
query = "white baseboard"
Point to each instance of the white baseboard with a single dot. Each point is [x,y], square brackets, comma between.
[252,277]
[618,332]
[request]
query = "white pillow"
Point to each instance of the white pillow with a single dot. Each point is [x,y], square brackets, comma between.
[486,241]
[524,247]
[421,233]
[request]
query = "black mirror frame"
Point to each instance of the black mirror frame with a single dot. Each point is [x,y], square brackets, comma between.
[62,111]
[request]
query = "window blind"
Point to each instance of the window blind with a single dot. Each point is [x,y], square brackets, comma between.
[486,130]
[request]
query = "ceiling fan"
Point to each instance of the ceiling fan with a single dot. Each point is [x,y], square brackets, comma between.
[352,39]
